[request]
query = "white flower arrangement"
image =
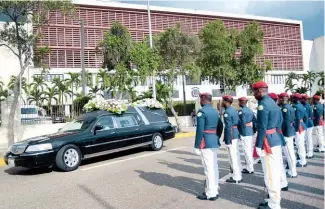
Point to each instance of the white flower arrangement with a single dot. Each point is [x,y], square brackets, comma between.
[150,103]
[113,106]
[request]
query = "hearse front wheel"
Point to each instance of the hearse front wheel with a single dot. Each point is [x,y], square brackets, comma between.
[68,158]
[157,142]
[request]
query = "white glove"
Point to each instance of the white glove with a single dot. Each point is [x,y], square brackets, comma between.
[197,151]
[228,145]
[260,152]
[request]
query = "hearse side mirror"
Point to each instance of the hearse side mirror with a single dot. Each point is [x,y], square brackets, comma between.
[98,128]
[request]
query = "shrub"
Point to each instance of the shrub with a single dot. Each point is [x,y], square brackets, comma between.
[79,103]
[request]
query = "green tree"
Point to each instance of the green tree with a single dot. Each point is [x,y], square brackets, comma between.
[50,95]
[63,91]
[301,90]
[94,91]
[38,83]
[116,47]
[16,37]
[290,80]
[320,81]
[308,81]
[36,95]
[3,91]
[178,51]
[73,82]
[229,57]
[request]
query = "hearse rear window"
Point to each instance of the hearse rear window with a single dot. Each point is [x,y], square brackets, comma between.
[124,121]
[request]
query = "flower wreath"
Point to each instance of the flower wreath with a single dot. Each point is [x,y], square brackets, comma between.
[112,105]
[150,103]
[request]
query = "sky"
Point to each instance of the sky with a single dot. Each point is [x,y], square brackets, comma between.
[310,12]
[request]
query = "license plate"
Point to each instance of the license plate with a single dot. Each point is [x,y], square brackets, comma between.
[11,162]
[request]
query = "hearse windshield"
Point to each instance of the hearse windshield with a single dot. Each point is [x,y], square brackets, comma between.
[78,125]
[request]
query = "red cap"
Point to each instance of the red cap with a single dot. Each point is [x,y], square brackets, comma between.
[316,97]
[296,95]
[273,95]
[227,97]
[304,96]
[205,94]
[242,99]
[284,94]
[259,84]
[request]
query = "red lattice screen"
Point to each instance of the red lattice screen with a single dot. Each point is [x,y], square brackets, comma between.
[282,42]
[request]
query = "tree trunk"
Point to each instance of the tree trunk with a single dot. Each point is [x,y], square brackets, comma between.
[184,94]
[178,123]
[72,106]
[11,128]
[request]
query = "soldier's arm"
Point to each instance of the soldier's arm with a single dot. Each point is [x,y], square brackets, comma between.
[199,129]
[254,124]
[262,119]
[285,115]
[219,128]
[228,127]
[297,122]
[242,122]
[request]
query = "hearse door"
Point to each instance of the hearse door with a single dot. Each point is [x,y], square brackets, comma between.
[107,138]
[129,129]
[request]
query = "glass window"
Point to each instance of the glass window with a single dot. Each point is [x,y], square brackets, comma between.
[106,122]
[28,111]
[124,121]
[78,125]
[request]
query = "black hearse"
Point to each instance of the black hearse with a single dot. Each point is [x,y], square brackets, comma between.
[93,134]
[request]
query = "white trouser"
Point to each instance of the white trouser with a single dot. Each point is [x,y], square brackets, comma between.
[289,152]
[272,164]
[309,141]
[234,158]
[283,178]
[300,141]
[247,143]
[210,163]
[320,137]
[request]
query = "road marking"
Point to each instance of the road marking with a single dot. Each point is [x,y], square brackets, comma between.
[2,162]
[132,158]
[183,135]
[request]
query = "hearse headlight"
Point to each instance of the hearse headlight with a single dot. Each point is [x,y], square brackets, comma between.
[39,147]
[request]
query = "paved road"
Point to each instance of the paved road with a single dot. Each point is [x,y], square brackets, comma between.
[143,179]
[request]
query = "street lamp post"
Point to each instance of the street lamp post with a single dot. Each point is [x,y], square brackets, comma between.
[83,72]
[150,41]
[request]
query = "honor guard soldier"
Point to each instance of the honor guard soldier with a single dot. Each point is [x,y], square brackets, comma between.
[318,122]
[268,144]
[231,138]
[246,128]
[207,143]
[289,133]
[300,128]
[310,125]
[284,182]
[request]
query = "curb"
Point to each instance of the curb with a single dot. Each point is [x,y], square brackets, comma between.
[182,135]
[2,161]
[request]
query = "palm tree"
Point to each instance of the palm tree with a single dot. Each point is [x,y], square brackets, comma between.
[50,95]
[3,92]
[38,83]
[94,91]
[72,82]
[63,90]
[291,77]
[301,90]
[320,82]
[36,95]
[308,80]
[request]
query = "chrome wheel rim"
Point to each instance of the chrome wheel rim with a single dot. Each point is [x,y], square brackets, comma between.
[157,141]
[71,158]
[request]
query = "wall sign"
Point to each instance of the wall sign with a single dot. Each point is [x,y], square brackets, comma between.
[195,91]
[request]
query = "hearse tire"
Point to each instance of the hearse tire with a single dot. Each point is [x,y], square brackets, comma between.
[157,142]
[68,158]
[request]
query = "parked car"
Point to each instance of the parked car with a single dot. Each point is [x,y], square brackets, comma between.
[32,114]
[93,134]
[58,118]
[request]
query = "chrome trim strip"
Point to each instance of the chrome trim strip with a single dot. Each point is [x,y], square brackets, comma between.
[37,153]
[127,139]
[115,150]
[145,120]
[167,132]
